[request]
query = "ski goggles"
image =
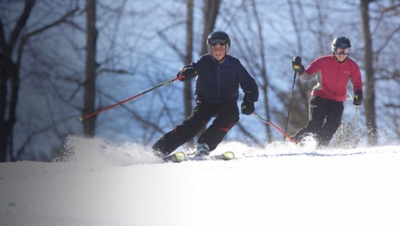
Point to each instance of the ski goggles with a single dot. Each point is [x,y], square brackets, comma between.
[340,51]
[214,42]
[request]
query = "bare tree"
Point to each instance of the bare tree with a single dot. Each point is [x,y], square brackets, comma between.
[188,56]
[369,74]
[10,71]
[210,14]
[89,84]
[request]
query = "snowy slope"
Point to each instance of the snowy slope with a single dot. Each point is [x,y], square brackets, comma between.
[108,184]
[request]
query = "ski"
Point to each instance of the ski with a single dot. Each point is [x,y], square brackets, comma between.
[178,156]
[181,156]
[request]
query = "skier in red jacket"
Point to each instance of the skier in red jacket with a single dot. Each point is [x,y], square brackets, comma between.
[326,103]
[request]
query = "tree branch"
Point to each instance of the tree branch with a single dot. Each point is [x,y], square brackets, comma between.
[20,24]
[26,37]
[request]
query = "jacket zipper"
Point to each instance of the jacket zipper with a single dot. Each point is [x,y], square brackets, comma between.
[219,80]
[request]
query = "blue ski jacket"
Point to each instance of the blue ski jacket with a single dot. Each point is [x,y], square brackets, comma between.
[219,83]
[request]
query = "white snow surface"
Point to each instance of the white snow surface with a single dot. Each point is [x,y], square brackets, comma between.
[279,184]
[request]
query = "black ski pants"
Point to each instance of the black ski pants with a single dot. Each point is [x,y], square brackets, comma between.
[325,117]
[226,116]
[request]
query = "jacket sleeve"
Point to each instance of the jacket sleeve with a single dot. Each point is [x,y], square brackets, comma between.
[312,70]
[247,82]
[198,65]
[356,79]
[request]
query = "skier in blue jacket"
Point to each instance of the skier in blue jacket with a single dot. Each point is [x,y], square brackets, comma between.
[219,76]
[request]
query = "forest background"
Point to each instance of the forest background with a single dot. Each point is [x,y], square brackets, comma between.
[63,59]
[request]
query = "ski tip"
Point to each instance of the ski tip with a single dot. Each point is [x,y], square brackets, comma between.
[229,155]
[176,157]
[180,156]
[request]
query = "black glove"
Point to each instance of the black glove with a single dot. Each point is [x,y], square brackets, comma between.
[187,73]
[248,104]
[297,66]
[358,97]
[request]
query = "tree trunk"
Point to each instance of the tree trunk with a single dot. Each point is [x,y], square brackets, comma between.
[90,71]
[187,92]
[4,131]
[210,13]
[369,100]
[9,72]
[188,57]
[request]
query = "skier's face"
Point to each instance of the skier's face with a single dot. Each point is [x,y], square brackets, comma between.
[218,51]
[341,54]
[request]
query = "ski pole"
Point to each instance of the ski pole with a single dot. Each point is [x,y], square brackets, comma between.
[290,103]
[129,99]
[297,60]
[276,127]
[356,118]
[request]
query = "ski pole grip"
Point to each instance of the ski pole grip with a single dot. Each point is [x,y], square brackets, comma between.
[297,66]
[297,60]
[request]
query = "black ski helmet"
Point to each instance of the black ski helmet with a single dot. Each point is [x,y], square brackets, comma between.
[219,35]
[340,42]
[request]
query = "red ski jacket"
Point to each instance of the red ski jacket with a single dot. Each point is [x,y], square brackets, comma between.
[333,77]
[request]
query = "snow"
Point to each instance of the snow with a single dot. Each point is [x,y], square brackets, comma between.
[123,184]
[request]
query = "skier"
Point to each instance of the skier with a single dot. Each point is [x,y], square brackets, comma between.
[326,103]
[219,76]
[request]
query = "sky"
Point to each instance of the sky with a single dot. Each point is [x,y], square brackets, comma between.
[110,183]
